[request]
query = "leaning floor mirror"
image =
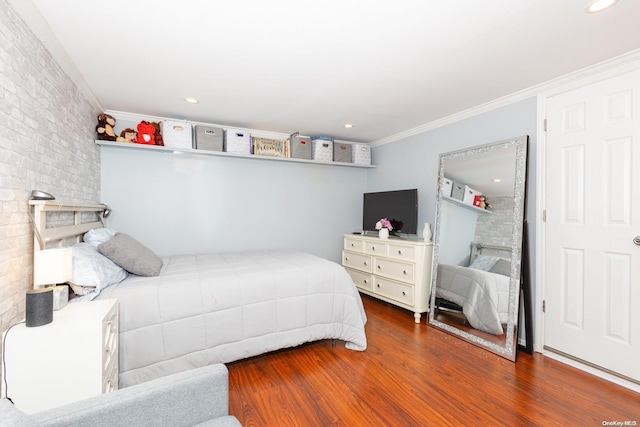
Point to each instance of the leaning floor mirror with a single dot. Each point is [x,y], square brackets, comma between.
[478,244]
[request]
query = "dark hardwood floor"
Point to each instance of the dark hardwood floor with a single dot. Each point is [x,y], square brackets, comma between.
[415,375]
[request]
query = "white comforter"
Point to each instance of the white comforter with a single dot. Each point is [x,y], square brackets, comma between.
[483,296]
[204,309]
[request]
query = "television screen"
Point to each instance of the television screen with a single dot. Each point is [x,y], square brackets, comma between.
[400,207]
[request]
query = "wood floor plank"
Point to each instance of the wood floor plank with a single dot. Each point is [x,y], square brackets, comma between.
[415,375]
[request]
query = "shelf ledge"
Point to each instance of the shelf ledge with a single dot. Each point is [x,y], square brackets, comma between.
[465,205]
[134,146]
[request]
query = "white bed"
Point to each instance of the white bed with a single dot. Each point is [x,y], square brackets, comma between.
[204,309]
[482,290]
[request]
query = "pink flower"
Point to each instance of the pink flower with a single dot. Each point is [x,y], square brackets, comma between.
[384,222]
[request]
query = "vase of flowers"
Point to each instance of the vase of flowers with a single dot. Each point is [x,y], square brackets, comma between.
[384,227]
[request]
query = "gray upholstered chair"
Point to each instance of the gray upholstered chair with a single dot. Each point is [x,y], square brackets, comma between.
[198,397]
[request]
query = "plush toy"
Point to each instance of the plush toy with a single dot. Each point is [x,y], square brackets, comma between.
[483,203]
[127,135]
[159,140]
[149,133]
[105,127]
[146,133]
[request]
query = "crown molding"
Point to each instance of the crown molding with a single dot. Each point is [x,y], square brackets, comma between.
[618,64]
[33,20]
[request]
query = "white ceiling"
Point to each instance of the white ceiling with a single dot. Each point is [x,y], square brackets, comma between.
[312,66]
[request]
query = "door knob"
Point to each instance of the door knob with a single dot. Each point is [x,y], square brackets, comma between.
[636,240]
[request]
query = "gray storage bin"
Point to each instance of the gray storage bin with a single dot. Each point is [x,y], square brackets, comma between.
[341,152]
[209,138]
[300,147]
[458,191]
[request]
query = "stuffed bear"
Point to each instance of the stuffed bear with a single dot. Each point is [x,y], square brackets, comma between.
[105,127]
[146,133]
[158,135]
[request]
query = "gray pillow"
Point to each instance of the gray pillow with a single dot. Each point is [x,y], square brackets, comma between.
[484,262]
[131,255]
[502,266]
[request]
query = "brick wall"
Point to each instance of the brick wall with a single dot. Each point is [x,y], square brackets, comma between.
[46,143]
[496,229]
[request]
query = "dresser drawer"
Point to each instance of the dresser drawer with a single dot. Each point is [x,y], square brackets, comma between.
[402,271]
[375,248]
[362,280]
[401,252]
[357,261]
[394,290]
[354,244]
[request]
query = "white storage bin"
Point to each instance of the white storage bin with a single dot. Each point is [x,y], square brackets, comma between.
[447,187]
[470,195]
[361,154]
[237,141]
[322,150]
[176,134]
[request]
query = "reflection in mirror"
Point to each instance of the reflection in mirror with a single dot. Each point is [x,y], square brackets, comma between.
[478,244]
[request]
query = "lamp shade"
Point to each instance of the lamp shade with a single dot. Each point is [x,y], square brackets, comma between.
[52,266]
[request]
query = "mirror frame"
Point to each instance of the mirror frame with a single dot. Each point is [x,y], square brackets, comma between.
[509,350]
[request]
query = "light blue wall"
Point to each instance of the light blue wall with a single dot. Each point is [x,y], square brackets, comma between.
[178,204]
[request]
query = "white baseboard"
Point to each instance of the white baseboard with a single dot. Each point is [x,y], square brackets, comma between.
[594,371]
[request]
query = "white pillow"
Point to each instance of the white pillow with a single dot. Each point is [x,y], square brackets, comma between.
[98,236]
[93,270]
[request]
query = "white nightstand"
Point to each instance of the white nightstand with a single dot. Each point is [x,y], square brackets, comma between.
[70,359]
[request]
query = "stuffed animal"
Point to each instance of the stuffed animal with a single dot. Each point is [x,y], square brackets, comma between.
[127,135]
[105,127]
[149,133]
[159,140]
[146,133]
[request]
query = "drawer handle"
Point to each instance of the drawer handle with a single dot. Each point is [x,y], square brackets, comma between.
[373,248]
[365,281]
[404,272]
[399,252]
[365,263]
[346,258]
[404,293]
[379,267]
[378,284]
[353,244]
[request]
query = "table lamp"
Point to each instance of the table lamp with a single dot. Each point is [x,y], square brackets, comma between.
[52,267]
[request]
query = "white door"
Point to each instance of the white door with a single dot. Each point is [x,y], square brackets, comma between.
[592,193]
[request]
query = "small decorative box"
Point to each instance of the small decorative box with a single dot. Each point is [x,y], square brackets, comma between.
[457,192]
[341,152]
[361,154]
[300,146]
[209,138]
[237,141]
[322,150]
[176,134]
[447,187]
[268,147]
[470,195]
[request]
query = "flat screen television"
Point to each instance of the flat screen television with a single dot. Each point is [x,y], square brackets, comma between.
[400,207]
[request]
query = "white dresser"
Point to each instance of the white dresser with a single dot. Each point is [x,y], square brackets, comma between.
[72,358]
[395,270]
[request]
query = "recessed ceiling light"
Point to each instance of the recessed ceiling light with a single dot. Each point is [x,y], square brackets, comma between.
[348,125]
[191,100]
[496,180]
[599,5]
